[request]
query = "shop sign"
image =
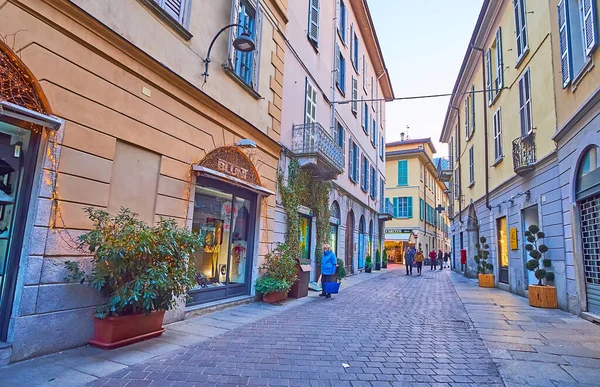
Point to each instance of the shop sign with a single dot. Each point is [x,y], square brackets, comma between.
[231,161]
[231,169]
[514,242]
[397,231]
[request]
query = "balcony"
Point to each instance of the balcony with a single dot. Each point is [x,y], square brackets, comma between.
[316,149]
[386,211]
[524,154]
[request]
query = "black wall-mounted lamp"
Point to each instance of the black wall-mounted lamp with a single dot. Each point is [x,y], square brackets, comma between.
[243,43]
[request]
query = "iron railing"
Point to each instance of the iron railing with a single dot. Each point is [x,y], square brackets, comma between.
[386,208]
[313,140]
[524,152]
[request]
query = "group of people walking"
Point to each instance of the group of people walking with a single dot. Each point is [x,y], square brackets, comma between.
[414,256]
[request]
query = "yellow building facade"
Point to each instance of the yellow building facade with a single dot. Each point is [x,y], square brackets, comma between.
[503,161]
[413,191]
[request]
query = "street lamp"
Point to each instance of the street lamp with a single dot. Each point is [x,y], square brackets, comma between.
[243,43]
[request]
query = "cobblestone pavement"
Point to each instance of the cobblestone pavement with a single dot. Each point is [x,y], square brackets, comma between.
[393,330]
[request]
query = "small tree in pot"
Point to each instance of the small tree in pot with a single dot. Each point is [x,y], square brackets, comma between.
[280,273]
[484,268]
[384,262]
[540,295]
[377,260]
[341,270]
[368,264]
[141,270]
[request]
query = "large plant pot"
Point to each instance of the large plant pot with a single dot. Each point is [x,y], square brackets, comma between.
[274,297]
[543,296]
[300,287]
[486,281]
[115,332]
[377,266]
[384,265]
[367,269]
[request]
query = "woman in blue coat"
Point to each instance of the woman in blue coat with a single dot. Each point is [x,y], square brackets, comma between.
[328,269]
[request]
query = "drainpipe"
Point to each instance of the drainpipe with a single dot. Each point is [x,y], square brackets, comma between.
[425,196]
[458,159]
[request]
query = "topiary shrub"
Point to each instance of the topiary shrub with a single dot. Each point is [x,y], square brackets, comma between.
[341,270]
[368,263]
[378,257]
[385,257]
[483,253]
[538,264]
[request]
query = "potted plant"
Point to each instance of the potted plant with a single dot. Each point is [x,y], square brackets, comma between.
[341,270]
[541,295]
[280,273]
[485,269]
[377,260]
[141,271]
[368,264]
[384,261]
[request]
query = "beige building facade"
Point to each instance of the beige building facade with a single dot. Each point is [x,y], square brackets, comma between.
[414,192]
[107,107]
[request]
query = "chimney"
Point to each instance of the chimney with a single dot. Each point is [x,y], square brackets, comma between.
[402,136]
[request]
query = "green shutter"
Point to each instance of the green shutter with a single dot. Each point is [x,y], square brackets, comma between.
[403,172]
[395,207]
[410,206]
[421,209]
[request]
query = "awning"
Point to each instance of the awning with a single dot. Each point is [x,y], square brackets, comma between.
[401,237]
[211,173]
[17,112]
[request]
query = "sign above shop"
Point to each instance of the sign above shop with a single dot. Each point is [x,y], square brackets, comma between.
[231,169]
[514,243]
[231,161]
[398,231]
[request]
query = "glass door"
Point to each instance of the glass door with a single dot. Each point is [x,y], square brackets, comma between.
[502,239]
[305,234]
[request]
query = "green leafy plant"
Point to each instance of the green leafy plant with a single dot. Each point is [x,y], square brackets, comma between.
[341,270]
[483,253]
[138,268]
[377,257]
[538,264]
[280,271]
[368,263]
[385,257]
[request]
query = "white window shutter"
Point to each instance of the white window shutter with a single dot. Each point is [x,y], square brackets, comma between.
[467,117]
[499,59]
[350,160]
[362,112]
[175,8]
[563,32]
[313,21]
[257,38]
[488,75]
[235,13]
[352,43]
[589,25]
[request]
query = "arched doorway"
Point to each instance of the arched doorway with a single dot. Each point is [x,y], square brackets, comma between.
[349,257]
[25,114]
[334,222]
[362,236]
[587,194]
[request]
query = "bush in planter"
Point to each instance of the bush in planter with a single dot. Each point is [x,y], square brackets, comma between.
[341,270]
[368,264]
[279,268]
[266,285]
[385,258]
[138,268]
[537,264]
[483,253]
[377,260]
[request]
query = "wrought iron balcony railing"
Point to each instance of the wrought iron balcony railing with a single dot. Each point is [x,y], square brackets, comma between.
[386,210]
[317,147]
[524,158]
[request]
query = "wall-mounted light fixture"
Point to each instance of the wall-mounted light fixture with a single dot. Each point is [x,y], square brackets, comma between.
[243,43]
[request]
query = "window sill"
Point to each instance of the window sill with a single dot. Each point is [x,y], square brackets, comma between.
[521,59]
[355,67]
[494,99]
[471,185]
[470,136]
[315,45]
[498,161]
[355,112]
[166,18]
[341,37]
[342,92]
[241,82]
[587,67]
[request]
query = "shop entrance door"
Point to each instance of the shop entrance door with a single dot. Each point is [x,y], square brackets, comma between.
[349,250]
[502,243]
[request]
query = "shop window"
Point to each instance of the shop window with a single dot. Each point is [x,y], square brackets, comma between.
[305,235]
[245,64]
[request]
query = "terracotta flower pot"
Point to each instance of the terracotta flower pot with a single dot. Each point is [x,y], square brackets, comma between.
[115,332]
[543,296]
[486,281]
[274,297]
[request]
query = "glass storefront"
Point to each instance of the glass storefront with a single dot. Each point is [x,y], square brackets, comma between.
[222,217]
[502,249]
[305,233]
[333,237]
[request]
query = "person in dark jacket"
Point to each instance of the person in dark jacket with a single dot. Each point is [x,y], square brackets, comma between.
[446,259]
[432,260]
[328,269]
[440,256]
[409,259]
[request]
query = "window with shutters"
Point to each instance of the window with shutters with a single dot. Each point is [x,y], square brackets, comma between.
[340,136]
[472,110]
[471,166]
[343,19]
[577,38]
[176,13]
[364,73]
[520,12]
[382,148]
[402,172]
[494,68]
[381,189]
[365,117]
[353,162]
[450,154]
[314,7]
[421,171]
[364,173]
[403,207]
[525,104]
[354,50]
[354,104]
[421,209]
[245,64]
[455,185]
[311,103]
[373,183]
[498,136]
[467,115]
[340,67]
[374,133]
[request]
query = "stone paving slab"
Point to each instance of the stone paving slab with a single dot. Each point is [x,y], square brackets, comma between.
[532,346]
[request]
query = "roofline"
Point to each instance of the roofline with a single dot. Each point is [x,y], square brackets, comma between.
[476,30]
[414,141]
[361,7]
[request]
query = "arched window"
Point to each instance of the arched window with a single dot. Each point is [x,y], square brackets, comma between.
[588,175]
[335,210]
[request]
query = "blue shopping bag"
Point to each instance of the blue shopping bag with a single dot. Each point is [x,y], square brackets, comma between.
[332,287]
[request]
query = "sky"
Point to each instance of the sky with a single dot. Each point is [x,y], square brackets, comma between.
[423,44]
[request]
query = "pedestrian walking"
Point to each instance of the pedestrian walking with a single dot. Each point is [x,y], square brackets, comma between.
[440,256]
[432,259]
[419,258]
[410,258]
[328,268]
[446,259]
